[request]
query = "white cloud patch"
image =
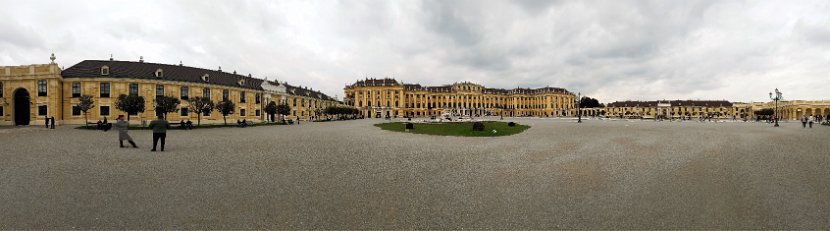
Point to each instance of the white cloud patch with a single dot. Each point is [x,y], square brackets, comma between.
[612,50]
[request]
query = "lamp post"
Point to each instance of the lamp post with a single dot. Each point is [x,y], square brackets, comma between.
[579,107]
[775,97]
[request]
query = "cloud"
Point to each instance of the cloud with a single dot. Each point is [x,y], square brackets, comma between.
[611,50]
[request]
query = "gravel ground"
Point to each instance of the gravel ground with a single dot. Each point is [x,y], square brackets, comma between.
[351,175]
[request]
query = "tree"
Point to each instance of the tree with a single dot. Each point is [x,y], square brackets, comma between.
[271,109]
[588,102]
[226,107]
[200,106]
[765,112]
[166,104]
[85,104]
[284,110]
[131,104]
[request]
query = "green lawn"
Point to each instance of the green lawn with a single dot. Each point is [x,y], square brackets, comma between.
[456,129]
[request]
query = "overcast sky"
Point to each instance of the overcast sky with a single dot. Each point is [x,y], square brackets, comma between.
[611,50]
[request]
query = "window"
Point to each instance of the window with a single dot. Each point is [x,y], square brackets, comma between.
[184,93]
[241,112]
[41,87]
[242,97]
[258,112]
[183,111]
[42,110]
[206,78]
[105,90]
[76,89]
[159,90]
[225,95]
[159,73]
[258,98]
[76,111]
[1,111]
[105,70]
[1,92]
[206,113]
[104,110]
[206,93]
[133,89]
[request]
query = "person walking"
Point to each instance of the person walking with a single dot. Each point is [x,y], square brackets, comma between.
[121,126]
[159,127]
[810,121]
[804,122]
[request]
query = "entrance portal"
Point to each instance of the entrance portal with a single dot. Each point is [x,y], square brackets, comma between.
[21,107]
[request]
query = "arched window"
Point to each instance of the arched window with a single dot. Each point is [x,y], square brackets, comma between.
[105,70]
[241,82]
[206,78]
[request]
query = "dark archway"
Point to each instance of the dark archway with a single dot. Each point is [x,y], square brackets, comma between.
[21,107]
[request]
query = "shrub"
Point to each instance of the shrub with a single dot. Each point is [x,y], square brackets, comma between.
[511,124]
[410,126]
[478,126]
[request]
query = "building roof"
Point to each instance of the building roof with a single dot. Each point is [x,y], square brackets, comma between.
[145,70]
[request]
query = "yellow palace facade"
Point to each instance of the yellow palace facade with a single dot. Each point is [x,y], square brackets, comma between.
[377,98]
[31,93]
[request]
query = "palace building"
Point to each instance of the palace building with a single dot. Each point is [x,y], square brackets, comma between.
[675,109]
[721,109]
[387,97]
[31,93]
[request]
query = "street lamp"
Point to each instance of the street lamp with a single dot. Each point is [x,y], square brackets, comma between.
[579,107]
[775,97]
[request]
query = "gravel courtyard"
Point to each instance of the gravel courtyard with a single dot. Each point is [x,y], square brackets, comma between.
[352,175]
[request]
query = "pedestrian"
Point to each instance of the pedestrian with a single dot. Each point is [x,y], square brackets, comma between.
[122,126]
[810,120]
[53,122]
[804,122]
[159,127]
[46,121]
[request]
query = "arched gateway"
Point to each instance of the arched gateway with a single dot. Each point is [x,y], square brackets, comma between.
[21,107]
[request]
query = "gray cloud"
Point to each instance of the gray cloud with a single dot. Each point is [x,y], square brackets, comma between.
[613,50]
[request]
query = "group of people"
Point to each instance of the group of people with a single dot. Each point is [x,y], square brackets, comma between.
[809,120]
[187,125]
[50,121]
[159,127]
[103,125]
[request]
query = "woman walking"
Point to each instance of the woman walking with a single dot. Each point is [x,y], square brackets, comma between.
[121,126]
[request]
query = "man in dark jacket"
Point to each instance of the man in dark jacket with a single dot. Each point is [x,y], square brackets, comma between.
[159,127]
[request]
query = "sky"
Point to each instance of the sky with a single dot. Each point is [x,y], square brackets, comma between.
[607,49]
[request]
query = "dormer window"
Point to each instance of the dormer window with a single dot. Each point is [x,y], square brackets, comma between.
[241,82]
[159,73]
[105,70]
[206,77]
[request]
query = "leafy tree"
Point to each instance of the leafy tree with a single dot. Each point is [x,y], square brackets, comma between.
[226,107]
[85,104]
[200,106]
[588,102]
[284,110]
[765,112]
[166,104]
[131,104]
[271,109]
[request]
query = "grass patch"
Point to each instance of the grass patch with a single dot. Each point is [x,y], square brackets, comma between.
[456,129]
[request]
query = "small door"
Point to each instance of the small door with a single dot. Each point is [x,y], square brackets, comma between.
[22,107]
